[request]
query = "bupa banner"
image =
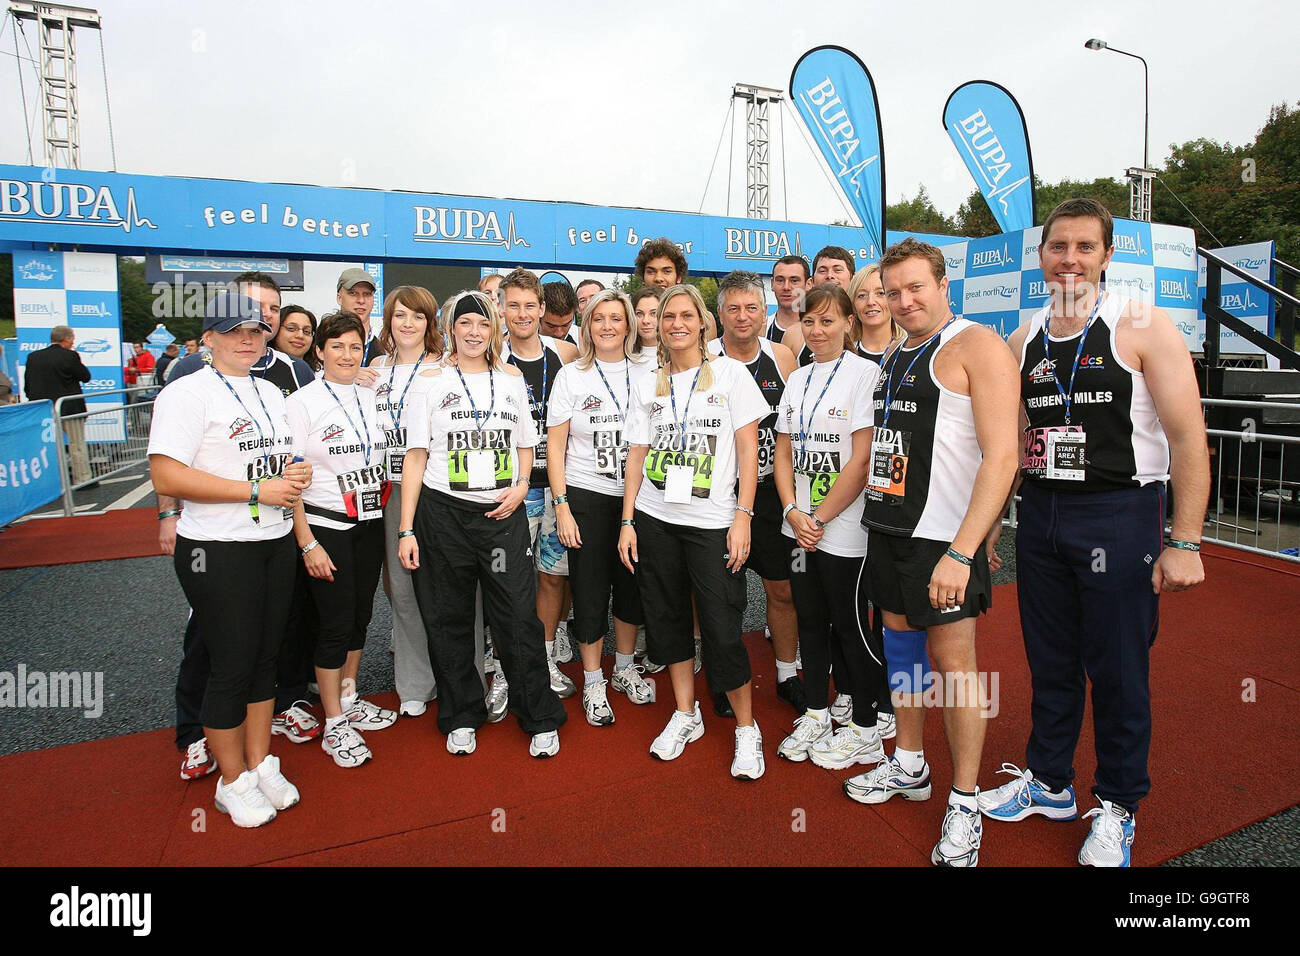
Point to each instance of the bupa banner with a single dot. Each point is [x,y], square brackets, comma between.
[988,128]
[29,466]
[1240,297]
[836,98]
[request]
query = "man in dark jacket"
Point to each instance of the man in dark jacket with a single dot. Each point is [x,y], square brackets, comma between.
[52,373]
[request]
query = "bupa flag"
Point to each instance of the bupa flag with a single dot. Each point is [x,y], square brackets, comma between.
[988,129]
[836,98]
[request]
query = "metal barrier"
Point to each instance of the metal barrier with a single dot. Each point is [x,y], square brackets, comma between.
[104,440]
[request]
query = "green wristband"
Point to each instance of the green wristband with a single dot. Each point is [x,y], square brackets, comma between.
[1184,545]
[959,557]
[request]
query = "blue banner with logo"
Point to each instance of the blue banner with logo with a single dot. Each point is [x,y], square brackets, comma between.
[836,98]
[29,467]
[988,128]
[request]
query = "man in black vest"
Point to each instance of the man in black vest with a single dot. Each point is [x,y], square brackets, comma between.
[56,371]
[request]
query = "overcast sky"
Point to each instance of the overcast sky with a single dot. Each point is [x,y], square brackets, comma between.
[623,103]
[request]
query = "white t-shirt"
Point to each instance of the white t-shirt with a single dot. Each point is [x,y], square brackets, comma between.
[649,354]
[465,461]
[198,422]
[392,393]
[339,434]
[712,418]
[844,409]
[596,410]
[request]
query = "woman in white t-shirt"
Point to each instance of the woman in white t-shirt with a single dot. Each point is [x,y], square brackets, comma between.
[587,416]
[221,444]
[645,308]
[339,525]
[470,438]
[410,345]
[693,430]
[822,448]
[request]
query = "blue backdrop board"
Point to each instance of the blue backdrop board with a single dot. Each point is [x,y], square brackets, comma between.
[29,464]
[1239,297]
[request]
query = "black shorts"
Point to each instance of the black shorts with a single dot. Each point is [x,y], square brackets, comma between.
[770,551]
[899,571]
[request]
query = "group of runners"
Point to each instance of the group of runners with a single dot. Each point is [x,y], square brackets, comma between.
[497,464]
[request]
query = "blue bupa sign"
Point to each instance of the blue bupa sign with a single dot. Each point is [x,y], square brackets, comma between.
[29,464]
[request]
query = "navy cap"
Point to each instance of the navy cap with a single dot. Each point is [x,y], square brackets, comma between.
[228,311]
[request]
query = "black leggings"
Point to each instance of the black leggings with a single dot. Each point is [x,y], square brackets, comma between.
[240,593]
[595,569]
[345,604]
[826,592]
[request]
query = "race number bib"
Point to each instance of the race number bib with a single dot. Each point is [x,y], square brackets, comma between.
[1043,445]
[479,461]
[814,476]
[395,441]
[766,452]
[539,454]
[365,492]
[260,469]
[696,462]
[887,474]
[610,452]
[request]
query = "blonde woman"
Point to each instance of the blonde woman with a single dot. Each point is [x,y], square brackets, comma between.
[873,330]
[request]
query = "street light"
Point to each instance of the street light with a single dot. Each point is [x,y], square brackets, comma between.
[1095,44]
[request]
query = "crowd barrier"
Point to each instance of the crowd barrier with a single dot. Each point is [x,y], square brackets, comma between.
[105,440]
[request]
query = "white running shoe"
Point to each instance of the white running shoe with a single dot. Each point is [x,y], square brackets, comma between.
[842,709]
[413,708]
[630,682]
[244,801]
[886,726]
[650,667]
[595,702]
[563,643]
[847,746]
[461,741]
[747,763]
[888,778]
[561,684]
[198,761]
[808,730]
[498,698]
[545,744]
[682,729]
[959,840]
[639,650]
[364,715]
[345,744]
[278,791]
[1110,841]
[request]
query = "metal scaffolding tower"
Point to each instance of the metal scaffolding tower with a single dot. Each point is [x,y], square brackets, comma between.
[758,201]
[58,74]
[1139,193]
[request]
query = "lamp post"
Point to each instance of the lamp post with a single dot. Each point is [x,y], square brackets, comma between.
[1140,198]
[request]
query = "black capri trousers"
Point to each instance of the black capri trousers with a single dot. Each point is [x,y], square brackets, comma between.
[595,569]
[344,606]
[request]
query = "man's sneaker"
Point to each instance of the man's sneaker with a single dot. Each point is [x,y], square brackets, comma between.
[748,764]
[882,782]
[413,708]
[959,839]
[246,804]
[198,761]
[595,702]
[296,723]
[563,644]
[364,715]
[561,683]
[807,731]
[847,746]
[1111,838]
[545,744]
[345,745]
[461,741]
[886,725]
[682,729]
[278,791]
[1024,796]
[699,653]
[791,691]
[630,682]
[498,698]
[842,709]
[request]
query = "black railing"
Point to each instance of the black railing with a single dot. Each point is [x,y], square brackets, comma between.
[1218,318]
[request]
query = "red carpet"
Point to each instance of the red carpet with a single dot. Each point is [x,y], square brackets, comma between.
[1218,763]
[125,533]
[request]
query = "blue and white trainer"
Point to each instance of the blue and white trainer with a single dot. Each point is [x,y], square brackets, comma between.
[1025,797]
[959,840]
[882,782]
[1111,839]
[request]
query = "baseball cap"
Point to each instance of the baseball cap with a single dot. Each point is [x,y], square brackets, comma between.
[228,310]
[351,277]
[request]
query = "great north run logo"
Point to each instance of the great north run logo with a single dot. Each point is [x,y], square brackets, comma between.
[76,204]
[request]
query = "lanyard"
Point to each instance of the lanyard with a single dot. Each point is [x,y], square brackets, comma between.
[627,375]
[803,435]
[757,360]
[479,423]
[1078,354]
[356,431]
[890,389]
[680,440]
[401,403]
[266,450]
[532,399]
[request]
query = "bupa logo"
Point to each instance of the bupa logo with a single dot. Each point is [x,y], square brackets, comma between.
[760,244]
[35,308]
[1044,371]
[35,271]
[591,404]
[987,258]
[1129,245]
[72,203]
[1238,301]
[1038,289]
[474,227]
[239,426]
[987,155]
[823,107]
[450,400]
[1179,289]
[331,432]
[100,310]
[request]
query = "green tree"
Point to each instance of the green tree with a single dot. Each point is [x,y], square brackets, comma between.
[918,215]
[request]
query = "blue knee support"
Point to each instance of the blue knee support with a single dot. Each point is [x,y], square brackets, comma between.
[907,664]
